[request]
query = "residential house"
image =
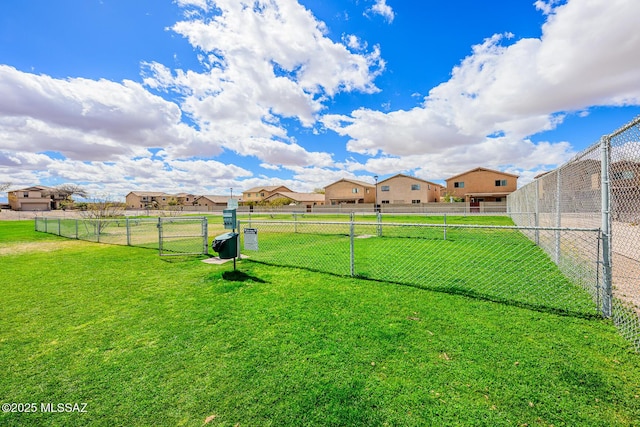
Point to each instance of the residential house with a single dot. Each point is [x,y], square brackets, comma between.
[482,185]
[301,199]
[211,203]
[148,200]
[258,194]
[404,189]
[183,199]
[349,191]
[37,198]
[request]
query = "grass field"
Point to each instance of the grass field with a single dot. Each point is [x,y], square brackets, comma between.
[150,341]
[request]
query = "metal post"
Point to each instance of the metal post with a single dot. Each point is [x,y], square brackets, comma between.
[159,236]
[379,218]
[556,258]
[352,249]
[536,214]
[606,228]
[445,227]
[128,231]
[295,222]
[205,235]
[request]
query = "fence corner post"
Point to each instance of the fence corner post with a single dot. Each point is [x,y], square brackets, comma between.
[607,287]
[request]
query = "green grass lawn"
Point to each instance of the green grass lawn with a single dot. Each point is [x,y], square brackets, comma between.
[150,341]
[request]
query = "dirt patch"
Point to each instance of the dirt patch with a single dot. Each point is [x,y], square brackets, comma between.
[31,247]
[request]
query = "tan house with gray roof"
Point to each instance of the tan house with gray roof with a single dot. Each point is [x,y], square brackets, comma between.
[482,185]
[404,189]
[257,194]
[303,199]
[349,191]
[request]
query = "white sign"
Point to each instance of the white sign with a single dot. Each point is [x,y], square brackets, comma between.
[232,204]
[250,239]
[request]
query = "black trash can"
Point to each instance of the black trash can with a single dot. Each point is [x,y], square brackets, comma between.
[226,245]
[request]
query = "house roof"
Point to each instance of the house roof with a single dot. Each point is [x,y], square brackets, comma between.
[401,175]
[34,188]
[298,197]
[148,193]
[482,169]
[353,181]
[218,199]
[265,188]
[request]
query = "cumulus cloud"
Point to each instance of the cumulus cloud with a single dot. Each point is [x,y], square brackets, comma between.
[86,119]
[506,91]
[264,63]
[383,9]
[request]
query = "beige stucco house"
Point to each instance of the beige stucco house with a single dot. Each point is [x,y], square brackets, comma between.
[211,202]
[404,189]
[482,185]
[148,200]
[258,194]
[349,191]
[37,198]
[302,199]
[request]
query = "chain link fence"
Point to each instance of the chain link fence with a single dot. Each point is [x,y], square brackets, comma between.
[599,187]
[489,262]
[170,236]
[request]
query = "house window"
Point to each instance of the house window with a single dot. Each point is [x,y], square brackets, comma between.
[498,199]
[501,182]
[385,202]
[25,194]
[415,202]
[623,175]
[261,194]
[384,188]
[458,184]
[415,187]
[354,190]
[428,186]
[367,191]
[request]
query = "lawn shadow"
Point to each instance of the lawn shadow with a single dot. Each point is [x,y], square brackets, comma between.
[469,293]
[241,276]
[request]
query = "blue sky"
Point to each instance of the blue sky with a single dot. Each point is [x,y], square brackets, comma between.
[202,96]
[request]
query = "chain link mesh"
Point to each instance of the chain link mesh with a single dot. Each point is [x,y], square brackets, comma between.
[171,236]
[571,196]
[490,262]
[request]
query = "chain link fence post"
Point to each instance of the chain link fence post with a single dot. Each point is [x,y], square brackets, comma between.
[352,246]
[160,236]
[607,296]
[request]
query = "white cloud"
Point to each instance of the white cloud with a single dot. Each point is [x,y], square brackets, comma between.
[265,63]
[505,91]
[382,8]
[86,119]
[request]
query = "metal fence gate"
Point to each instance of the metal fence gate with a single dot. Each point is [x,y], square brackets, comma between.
[182,236]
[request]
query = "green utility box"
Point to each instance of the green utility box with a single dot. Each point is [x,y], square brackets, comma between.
[229,219]
[226,245]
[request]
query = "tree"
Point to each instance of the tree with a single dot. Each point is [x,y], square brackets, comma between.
[100,209]
[65,192]
[449,198]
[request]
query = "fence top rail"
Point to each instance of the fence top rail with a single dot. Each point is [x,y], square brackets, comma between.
[633,123]
[405,224]
[146,219]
